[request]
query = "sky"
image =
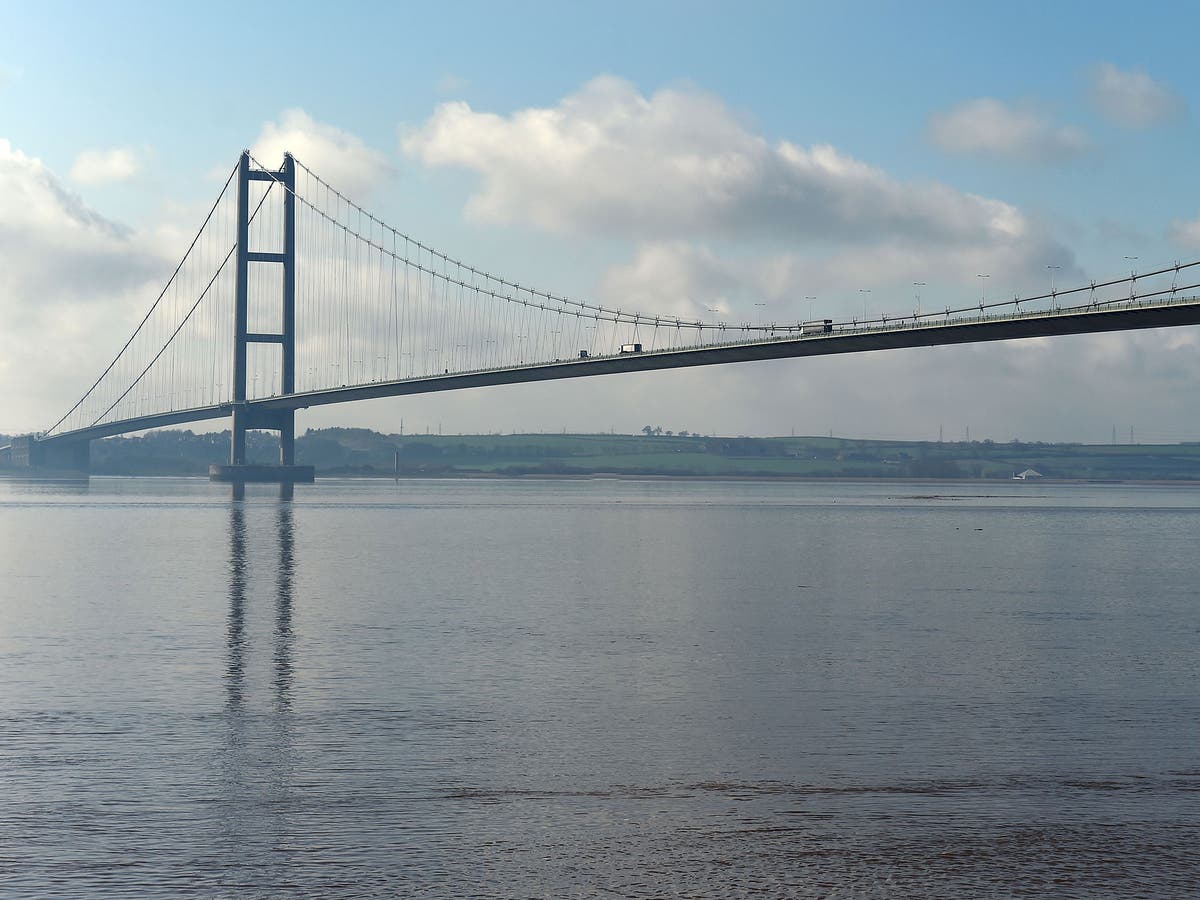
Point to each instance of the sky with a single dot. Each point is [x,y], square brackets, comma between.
[654,155]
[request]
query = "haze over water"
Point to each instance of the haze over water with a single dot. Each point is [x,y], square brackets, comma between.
[576,688]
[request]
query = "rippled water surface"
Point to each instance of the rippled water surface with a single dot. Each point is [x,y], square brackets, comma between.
[581,688]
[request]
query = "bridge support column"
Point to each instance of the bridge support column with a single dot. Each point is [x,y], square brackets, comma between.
[245,415]
[248,418]
[237,449]
[287,441]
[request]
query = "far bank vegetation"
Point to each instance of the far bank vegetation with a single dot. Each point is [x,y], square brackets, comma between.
[655,451]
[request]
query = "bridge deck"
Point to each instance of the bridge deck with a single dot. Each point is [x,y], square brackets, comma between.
[843,339]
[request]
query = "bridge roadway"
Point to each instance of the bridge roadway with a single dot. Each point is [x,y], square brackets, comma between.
[843,339]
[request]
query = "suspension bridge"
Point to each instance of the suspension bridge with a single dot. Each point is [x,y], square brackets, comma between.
[292,296]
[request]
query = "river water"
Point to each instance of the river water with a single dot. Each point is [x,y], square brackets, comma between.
[549,688]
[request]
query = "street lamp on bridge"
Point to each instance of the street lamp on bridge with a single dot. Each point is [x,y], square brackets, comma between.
[1053,269]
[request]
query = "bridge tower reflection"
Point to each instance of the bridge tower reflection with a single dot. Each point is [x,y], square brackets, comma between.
[257,761]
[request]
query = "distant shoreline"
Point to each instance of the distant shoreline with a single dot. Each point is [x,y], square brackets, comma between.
[14,475]
[362,453]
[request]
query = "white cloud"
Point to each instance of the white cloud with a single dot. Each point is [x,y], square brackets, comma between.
[1186,233]
[57,248]
[105,166]
[680,278]
[678,167]
[452,84]
[339,157]
[989,128]
[71,283]
[676,278]
[679,164]
[1131,98]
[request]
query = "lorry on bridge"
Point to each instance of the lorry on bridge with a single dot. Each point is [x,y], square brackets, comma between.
[817,326]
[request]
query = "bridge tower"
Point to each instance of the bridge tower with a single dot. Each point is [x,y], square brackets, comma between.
[245,415]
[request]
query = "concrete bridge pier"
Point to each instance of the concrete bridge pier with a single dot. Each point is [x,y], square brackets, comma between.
[285,473]
[51,457]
